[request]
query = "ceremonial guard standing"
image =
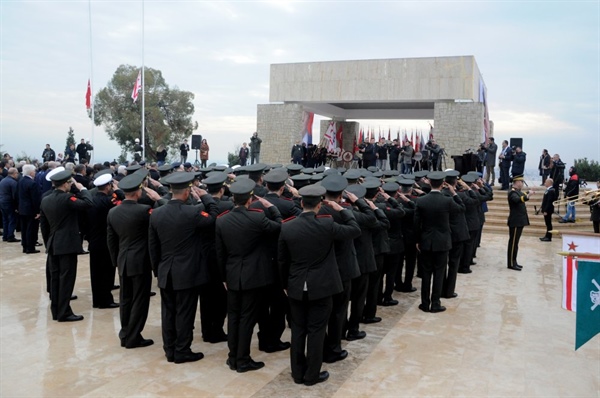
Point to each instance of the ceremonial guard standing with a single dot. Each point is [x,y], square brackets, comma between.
[310,274]
[408,258]
[517,219]
[58,217]
[176,255]
[548,208]
[127,237]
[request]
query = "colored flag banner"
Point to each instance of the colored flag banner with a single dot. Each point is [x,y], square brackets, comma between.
[588,302]
[330,137]
[307,125]
[88,96]
[486,118]
[579,244]
[137,87]
[339,136]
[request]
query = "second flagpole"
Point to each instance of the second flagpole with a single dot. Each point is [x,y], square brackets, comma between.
[143,92]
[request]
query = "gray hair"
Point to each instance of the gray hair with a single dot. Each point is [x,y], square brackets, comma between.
[28,169]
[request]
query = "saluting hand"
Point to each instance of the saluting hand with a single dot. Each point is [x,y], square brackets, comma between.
[335,206]
[266,204]
[151,194]
[403,197]
[371,204]
[293,190]
[383,194]
[154,183]
[78,185]
[351,197]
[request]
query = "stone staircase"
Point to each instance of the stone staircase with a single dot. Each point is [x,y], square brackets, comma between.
[498,214]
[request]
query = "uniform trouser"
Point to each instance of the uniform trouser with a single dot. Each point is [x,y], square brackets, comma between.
[596,226]
[452,272]
[134,300]
[513,245]
[29,232]
[63,271]
[476,242]
[407,261]
[504,172]
[102,278]
[254,157]
[178,313]
[337,322]
[271,317]
[358,295]
[242,314]
[309,323]
[390,267]
[467,253]
[9,223]
[373,288]
[489,171]
[434,264]
[548,221]
[213,309]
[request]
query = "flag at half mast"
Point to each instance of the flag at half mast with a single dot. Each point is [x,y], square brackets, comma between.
[137,87]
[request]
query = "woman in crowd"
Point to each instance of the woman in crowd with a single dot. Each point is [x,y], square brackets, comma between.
[204,148]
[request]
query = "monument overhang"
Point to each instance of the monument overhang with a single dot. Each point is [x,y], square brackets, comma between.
[371,110]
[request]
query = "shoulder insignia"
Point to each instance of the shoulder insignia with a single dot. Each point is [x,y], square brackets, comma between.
[150,211]
[285,198]
[324,216]
[289,219]
[73,199]
[204,214]
[345,204]
[222,214]
[388,208]
[256,210]
[117,202]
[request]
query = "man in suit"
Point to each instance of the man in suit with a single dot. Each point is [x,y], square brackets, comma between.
[517,219]
[29,195]
[369,154]
[9,205]
[58,215]
[242,242]
[490,159]
[176,256]
[548,208]
[310,276]
[506,156]
[434,238]
[127,239]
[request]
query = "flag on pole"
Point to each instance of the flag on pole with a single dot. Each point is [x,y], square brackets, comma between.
[430,132]
[355,147]
[412,138]
[137,87]
[398,135]
[307,123]
[588,302]
[339,136]
[417,143]
[88,96]
[330,136]
[389,134]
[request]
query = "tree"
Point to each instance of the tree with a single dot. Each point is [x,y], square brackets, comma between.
[588,170]
[70,137]
[233,158]
[168,111]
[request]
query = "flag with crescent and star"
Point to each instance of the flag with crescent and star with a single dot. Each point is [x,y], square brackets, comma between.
[588,302]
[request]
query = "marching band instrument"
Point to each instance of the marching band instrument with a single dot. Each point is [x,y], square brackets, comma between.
[579,199]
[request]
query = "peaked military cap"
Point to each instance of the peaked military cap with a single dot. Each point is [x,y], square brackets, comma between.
[176,165]
[390,187]
[53,172]
[216,178]
[469,178]
[179,180]
[102,180]
[334,183]
[421,173]
[61,177]
[407,176]
[276,176]
[406,182]
[132,168]
[312,191]
[329,172]
[352,174]
[372,169]
[316,177]
[378,174]
[391,173]
[242,187]
[517,178]
[371,183]
[358,190]
[165,167]
[436,176]
[131,182]
[219,168]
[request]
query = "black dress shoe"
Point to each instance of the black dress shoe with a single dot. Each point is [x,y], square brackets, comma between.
[122,342]
[464,271]
[423,308]
[214,339]
[73,297]
[141,343]
[250,366]
[152,294]
[515,268]
[340,357]
[187,357]
[38,244]
[115,287]
[72,318]
[355,335]
[13,240]
[324,375]
[408,289]
[389,302]
[111,305]
[453,295]
[473,262]
[562,221]
[229,362]
[367,321]
[544,239]
[84,252]
[32,251]
[441,308]
[281,346]
[298,381]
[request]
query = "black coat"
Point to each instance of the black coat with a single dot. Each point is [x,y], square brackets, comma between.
[367,221]
[29,195]
[548,200]
[174,242]
[286,206]
[458,219]
[518,164]
[127,237]
[96,220]
[432,220]
[307,254]
[59,221]
[394,213]
[517,217]
[345,252]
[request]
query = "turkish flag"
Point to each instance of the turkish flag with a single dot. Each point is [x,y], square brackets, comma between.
[88,96]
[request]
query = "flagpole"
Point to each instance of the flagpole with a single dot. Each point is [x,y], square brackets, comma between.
[91,82]
[143,92]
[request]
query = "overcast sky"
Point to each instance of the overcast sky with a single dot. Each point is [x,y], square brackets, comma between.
[539,60]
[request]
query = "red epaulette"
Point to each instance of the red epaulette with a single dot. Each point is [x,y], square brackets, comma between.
[345,204]
[222,214]
[388,208]
[324,216]
[256,210]
[204,214]
[73,199]
[149,210]
[286,198]
[289,219]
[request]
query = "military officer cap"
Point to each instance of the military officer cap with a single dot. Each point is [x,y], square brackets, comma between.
[256,170]
[316,177]
[312,191]
[179,180]
[300,180]
[187,165]
[406,182]
[329,172]
[320,169]
[341,169]
[242,187]
[469,178]
[176,165]
[407,176]
[365,173]
[210,173]
[102,180]
[53,172]
[372,169]
[276,166]
[308,170]
[517,178]
[143,172]
[371,183]
[378,174]
[294,168]
[276,176]
[131,182]
[165,167]
[206,169]
[219,168]
[421,174]
[241,177]
[132,168]
[334,183]
[390,187]
[104,171]
[240,170]
[357,189]
[451,175]
[391,173]
[475,173]
[436,176]
[142,163]
[61,177]
[352,175]
[216,179]
[390,179]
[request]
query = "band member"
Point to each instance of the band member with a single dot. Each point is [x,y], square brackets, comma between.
[517,219]
[594,203]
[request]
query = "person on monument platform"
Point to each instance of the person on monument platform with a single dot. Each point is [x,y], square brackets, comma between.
[48,155]
[243,154]
[591,199]
[382,152]
[184,148]
[297,153]
[517,220]
[544,165]
[204,148]
[571,191]
[435,154]
[369,154]
[548,208]
[505,157]
[82,150]
[407,152]
[490,149]
[255,142]
[518,162]
[161,155]
[394,151]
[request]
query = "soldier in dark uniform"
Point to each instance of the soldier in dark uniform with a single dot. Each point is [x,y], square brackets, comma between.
[127,239]
[434,238]
[60,229]
[517,219]
[255,173]
[408,258]
[310,275]
[102,273]
[472,218]
[548,208]
[213,296]
[244,259]
[176,257]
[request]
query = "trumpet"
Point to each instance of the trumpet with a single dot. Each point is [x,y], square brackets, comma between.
[584,198]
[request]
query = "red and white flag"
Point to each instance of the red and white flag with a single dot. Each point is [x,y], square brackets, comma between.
[330,137]
[88,96]
[579,244]
[137,87]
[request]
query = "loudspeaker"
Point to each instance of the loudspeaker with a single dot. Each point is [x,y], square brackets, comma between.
[516,142]
[196,141]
